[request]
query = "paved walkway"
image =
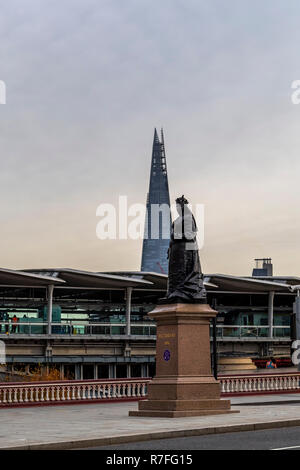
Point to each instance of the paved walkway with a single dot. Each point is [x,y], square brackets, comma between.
[103,424]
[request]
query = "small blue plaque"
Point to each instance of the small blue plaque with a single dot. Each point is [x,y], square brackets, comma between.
[167,355]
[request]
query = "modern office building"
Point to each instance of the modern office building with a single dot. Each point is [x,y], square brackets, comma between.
[158,219]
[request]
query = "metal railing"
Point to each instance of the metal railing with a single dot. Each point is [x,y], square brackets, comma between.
[76,328]
[71,327]
[252,331]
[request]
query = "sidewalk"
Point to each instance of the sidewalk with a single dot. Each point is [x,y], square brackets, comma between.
[78,426]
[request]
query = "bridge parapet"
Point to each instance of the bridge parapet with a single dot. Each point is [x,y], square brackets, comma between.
[111,390]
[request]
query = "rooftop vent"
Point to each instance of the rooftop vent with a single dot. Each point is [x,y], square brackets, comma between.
[263,267]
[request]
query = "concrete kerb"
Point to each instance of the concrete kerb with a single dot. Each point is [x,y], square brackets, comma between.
[116,440]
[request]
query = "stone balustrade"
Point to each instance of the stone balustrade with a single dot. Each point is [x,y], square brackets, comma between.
[72,392]
[259,383]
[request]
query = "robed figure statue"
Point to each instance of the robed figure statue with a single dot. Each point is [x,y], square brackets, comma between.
[185,280]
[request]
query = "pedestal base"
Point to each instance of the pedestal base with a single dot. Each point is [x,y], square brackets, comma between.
[184,385]
[182,408]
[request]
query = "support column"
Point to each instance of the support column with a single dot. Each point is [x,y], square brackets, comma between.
[128,310]
[271,313]
[112,371]
[50,302]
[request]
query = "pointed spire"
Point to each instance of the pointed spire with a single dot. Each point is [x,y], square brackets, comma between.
[162,136]
[156,242]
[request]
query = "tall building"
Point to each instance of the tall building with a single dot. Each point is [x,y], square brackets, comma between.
[158,219]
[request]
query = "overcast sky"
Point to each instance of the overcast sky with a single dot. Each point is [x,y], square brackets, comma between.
[87,81]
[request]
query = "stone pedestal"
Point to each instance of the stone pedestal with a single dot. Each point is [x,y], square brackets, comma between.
[183,385]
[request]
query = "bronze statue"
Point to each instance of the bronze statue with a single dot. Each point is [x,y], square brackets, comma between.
[185,281]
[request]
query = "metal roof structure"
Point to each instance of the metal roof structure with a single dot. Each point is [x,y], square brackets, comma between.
[242,284]
[10,277]
[87,279]
[158,280]
[292,280]
[141,280]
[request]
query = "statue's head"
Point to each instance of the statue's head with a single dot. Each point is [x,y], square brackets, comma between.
[181,204]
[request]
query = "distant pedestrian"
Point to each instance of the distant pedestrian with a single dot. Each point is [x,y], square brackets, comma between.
[14,323]
[271,364]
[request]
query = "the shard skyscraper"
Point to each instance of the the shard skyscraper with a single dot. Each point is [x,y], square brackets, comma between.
[158,219]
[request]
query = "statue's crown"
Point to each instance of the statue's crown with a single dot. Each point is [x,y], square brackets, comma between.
[182,200]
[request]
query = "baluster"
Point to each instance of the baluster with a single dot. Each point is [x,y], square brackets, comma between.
[73,393]
[26,394]
[68,393]
[129,390]
[21,390]
[108,391]
[272,383]
[78,388]
[36,393]
[4,396]
[52,393]
[284,383]
[15,393]
[42,389]
[133,390]
[57,393]
[83,392]
[143,390]
[47,393]
[94,392]
[31,394]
